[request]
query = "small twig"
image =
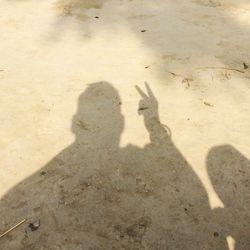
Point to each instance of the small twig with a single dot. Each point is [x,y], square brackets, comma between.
[208,104]
[174,74]
[143,108]
[240,71]
[9,230]
[184,79]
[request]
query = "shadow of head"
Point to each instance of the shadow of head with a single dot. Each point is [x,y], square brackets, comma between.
[99,114]
[229,172]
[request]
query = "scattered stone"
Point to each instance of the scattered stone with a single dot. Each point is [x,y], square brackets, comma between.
[245,65]
[138,229]
[187,82]
[216,234]
[34,225]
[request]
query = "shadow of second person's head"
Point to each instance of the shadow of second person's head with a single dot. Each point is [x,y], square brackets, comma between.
[229,172]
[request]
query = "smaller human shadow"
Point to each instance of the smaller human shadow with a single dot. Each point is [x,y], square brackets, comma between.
[229,172]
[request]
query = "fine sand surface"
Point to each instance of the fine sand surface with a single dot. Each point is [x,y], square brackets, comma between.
[97,159]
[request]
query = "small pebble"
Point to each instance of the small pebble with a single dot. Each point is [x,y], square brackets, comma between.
[34,225]
[245,65]
[216,234]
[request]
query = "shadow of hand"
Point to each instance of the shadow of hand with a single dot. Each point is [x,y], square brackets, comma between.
[148,105]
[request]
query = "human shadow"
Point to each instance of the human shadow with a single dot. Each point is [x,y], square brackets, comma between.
[229,171]
[96,195]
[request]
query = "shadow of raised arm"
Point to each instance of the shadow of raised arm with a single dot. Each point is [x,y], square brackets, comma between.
[148,108]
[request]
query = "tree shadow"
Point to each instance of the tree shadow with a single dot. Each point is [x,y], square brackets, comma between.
[184,47]
[96,195]
[77,8]
[229,171]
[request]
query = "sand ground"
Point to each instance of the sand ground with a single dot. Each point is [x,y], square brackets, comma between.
[77,155]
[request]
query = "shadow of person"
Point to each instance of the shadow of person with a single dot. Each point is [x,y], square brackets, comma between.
[229,172]
[97,195]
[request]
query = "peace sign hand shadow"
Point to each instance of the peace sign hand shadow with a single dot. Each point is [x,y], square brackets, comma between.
[148,105]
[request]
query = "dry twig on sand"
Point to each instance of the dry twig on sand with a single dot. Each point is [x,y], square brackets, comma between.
[12,228]
[230,69]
